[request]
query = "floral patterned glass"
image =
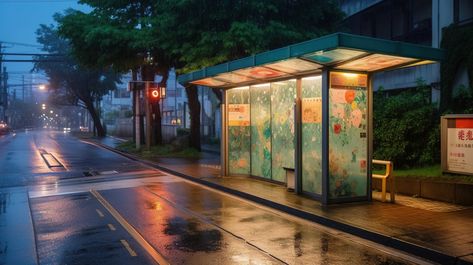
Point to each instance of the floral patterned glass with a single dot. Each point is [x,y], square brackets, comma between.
[312,134]
[260,100]
[347,135]
[283,95]
[239,131]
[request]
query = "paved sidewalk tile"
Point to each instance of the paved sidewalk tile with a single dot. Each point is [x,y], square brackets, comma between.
[17,242]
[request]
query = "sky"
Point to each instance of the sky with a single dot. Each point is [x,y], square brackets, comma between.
[19,20]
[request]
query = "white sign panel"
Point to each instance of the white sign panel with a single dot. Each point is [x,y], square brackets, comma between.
[460,150]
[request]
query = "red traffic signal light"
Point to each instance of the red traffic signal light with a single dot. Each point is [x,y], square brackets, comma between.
[154,93]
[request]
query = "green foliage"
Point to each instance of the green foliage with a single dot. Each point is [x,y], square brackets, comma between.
[430,172]
[128,113]
[72,83]
[204,33]
[158,151]
[406,128]
[112,115]
[458,44]
[462,101]
[182,132]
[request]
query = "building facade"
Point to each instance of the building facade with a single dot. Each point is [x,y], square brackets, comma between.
[415,21]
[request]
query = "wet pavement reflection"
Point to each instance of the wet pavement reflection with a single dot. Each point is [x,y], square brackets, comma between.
[21,162]
[189,224]
[80,236]
[180,236]
[185,223]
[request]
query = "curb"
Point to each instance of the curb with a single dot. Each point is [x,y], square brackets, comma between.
[411,248]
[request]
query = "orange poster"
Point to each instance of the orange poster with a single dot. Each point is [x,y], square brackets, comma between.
[238,114]
[312,110]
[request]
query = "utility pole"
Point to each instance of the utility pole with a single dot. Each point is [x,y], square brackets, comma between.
[24,88]
[2,101]
[5,94]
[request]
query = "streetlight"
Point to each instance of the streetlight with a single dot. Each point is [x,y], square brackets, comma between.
[42,87]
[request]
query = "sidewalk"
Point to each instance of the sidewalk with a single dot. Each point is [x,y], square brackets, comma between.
[443,237]
[17,240]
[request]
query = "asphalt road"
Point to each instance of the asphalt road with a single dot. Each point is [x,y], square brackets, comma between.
[96,207]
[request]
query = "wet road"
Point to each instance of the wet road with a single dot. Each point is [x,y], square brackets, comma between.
[100,208]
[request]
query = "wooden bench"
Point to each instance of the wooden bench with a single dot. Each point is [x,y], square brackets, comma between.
[387,175]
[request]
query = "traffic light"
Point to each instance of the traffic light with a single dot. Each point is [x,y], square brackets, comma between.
[155,93]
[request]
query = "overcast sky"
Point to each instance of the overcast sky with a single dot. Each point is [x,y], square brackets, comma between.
[19,20]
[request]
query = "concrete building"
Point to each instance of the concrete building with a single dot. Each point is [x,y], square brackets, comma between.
[414,21]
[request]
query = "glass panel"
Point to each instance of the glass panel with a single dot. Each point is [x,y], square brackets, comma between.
[283,95]
[259,72]
[260,101]
[294,66]
[209,82]
[333,56]
[375,62]
[347,135]
[233,78]
[238,130]
[312,134]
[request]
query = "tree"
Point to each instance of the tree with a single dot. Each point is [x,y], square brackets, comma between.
[72,82]
[118,34]
[200,33]
[190,34]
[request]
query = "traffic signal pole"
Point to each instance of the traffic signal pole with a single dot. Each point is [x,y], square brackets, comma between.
[148,117]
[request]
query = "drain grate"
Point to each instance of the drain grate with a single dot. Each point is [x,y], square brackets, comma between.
[49,159]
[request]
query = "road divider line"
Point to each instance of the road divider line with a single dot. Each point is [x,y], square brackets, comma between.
[127,246]
[99,213]
[130,229]
[112,228]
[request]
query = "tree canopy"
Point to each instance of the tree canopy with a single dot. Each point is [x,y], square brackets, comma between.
[71,82]
[201,33]
[189,34]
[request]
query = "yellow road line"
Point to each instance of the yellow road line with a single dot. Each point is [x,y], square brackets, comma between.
[99,213]
[111,227]
[127,246]
[158,258]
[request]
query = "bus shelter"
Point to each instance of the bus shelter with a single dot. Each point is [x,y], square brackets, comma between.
[306,107]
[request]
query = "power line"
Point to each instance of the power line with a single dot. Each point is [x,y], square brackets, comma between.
[21,44]
[35,1]
[31,54]
[31,61]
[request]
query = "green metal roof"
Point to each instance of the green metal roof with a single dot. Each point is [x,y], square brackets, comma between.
[338,50]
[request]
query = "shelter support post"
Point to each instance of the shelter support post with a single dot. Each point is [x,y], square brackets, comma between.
[370,136]
[325,133]
[223,136]
[298,138]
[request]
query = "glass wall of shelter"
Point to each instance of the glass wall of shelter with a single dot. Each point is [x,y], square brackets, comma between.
[306,107]
[264,120]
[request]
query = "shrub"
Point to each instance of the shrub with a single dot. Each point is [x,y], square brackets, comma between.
[182,132]
[406,128]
